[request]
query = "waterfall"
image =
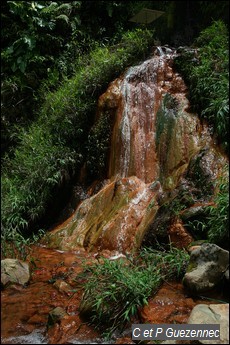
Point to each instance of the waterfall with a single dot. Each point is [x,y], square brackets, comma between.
[153,139]
[125,130]
[133,150]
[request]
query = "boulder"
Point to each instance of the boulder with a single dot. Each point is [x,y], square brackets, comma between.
[14,271]
[212,314]
[207,266]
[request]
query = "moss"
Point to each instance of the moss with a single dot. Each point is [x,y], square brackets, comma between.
[151,204]
[191,266]
[165,118]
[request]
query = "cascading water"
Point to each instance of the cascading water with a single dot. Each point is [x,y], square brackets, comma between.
[134,141]
[125,133]
[153,141]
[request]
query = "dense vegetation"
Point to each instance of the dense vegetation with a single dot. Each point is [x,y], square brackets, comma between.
[57,58]
[54,66]
[54,69]
[42,41]
[114,290]
[208,77]
[52,150]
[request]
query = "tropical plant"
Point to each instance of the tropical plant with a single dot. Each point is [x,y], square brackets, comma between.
[114,295]
[33,49]
[114,290]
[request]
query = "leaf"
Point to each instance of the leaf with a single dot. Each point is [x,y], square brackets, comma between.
[63,17]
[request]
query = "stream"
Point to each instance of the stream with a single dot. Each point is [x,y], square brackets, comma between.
[25,309]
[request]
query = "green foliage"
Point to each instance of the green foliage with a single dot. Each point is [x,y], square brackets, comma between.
[198,227]
[33,49]
[114,290]
[218,217]
[53,149]
[18,246]
[42,42]
[29,178]
[37,20]
[208,76]
[213,224]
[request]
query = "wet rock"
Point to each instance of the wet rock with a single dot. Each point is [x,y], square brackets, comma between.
[37,319]
[63,287]
[178,138]
[179,236]
[170,305]
[14,271]
[207,266]
[212,314]
[203,171]
[116,218]
[155,143]
[55,315]
[71,327]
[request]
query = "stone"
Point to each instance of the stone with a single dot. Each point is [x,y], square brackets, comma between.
[63,287]
[56,315]
[207,266]
[212,314]
[14,271]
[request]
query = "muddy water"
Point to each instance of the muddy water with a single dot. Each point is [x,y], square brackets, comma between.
[25,309]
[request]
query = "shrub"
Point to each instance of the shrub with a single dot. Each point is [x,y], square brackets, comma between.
[115,290]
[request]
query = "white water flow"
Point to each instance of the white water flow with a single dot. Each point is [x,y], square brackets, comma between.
[125,131]
[135,153]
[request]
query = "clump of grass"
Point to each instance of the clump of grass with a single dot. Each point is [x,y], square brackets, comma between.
[114,290]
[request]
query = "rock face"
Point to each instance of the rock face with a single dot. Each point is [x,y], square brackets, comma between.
[14,271]
[155,143]
[115,218]
[212,314]
[207,266]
